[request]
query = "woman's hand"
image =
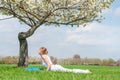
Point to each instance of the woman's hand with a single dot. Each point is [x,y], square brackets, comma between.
[48,67]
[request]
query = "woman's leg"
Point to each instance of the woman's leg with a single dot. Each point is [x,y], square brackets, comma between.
[62,69]
[81,71]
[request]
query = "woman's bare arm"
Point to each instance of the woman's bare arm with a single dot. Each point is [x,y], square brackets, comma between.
[47,61]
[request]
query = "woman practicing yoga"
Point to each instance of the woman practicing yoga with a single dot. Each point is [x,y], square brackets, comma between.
[55,67]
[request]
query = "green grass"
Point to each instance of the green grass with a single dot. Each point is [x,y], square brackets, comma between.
[12,72]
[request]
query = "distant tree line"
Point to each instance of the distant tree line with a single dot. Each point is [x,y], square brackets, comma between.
[75,60]
[15,59]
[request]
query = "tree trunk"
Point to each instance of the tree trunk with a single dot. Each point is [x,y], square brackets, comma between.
[23,52]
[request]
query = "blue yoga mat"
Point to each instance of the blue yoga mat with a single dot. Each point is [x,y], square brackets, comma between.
[33,69]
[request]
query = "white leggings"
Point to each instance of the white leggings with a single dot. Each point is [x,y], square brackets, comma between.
[62,69]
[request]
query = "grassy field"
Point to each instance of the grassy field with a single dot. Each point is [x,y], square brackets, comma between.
[11,72]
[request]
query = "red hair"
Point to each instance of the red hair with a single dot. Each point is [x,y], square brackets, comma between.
[44,50]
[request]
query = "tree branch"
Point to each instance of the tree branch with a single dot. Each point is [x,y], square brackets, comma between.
[66,23]
[31,13]
[77,19]
[12,12]
[66,8]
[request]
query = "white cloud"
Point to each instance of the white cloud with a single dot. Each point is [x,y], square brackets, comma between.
[3,16]
[117,11]
[93,34]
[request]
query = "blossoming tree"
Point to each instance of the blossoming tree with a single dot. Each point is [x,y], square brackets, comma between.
[35,13]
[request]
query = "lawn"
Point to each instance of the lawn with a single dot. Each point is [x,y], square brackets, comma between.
[12,72]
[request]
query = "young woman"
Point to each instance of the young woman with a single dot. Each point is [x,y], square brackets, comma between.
[54,67]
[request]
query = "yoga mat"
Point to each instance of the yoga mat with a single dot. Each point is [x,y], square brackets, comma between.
[33,69]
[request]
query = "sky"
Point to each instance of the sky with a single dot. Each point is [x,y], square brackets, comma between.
[96,40]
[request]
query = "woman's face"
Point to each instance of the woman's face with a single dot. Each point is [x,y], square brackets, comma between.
[41,51]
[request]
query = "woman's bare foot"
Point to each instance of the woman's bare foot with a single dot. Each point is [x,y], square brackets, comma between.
[88,71]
